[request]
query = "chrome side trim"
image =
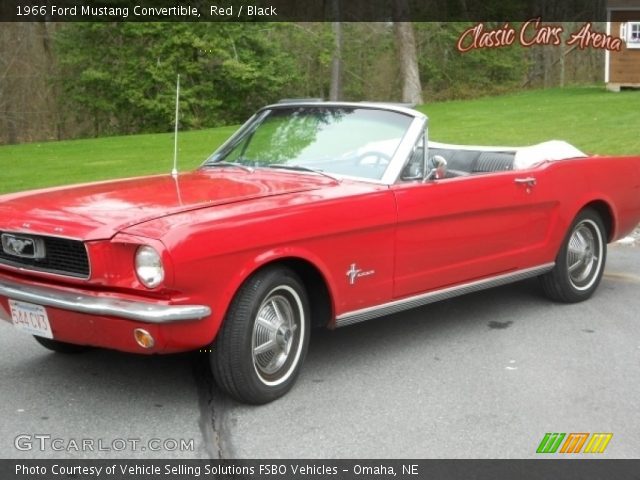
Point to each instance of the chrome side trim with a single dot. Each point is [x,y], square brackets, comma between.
[389,308]
[92,305]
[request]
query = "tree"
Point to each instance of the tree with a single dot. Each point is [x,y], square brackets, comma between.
[67,80]
[27,99]
[447,73]
[335,92]
[123,75]
[408,57]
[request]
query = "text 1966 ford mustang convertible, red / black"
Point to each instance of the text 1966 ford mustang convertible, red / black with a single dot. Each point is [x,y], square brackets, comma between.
[312,214]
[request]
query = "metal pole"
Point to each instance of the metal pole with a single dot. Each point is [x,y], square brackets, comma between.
[174,172]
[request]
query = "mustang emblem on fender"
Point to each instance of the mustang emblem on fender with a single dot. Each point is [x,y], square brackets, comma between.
[354,273]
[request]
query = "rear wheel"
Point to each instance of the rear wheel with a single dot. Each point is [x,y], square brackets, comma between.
[60,347]
[581,260]
[261,346]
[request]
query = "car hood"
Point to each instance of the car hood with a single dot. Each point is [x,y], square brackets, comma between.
[99,210]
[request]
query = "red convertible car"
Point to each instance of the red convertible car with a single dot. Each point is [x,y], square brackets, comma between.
[314,214]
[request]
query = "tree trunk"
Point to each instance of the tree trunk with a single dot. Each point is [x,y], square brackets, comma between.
[408,56]
[335,92]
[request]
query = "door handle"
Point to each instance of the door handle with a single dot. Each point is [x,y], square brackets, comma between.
[529,181]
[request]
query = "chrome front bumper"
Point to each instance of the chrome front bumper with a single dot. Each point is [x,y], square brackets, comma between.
[93,305]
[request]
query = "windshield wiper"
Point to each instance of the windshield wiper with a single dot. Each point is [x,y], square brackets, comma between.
[302,168]
[230,164]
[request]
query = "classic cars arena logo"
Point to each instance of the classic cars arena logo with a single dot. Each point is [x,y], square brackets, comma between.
[533,33]
[574,443]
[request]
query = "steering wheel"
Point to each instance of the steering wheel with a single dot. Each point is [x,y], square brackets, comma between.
[373,158]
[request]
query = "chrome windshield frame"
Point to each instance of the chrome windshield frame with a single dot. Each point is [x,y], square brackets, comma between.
[416,128]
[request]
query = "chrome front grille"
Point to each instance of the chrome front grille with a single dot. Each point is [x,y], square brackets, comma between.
[62,256]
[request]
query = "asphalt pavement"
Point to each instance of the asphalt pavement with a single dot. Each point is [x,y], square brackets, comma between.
[480,376]
[129,406]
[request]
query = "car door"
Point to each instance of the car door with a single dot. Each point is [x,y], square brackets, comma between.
[454,230]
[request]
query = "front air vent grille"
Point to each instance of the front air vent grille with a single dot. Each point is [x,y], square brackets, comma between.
[62,256]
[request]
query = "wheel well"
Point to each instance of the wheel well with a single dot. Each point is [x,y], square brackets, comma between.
[604,210]
[320,303]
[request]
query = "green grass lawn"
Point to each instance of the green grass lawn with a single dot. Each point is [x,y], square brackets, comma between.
[591,118]
[44,164]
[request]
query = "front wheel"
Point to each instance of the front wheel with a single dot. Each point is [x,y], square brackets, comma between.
[580,262]
[261,346]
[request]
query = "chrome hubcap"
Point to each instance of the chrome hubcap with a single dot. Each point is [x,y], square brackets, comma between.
[276,334]
[583,254]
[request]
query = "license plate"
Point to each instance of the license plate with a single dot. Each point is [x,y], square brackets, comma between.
[30,318]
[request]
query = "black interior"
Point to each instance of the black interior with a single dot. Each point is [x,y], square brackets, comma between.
[475,161]
[461,162]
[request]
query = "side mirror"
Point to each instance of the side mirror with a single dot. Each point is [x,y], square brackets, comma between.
[439,170]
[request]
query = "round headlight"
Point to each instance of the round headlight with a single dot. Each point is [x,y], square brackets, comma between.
[149,266]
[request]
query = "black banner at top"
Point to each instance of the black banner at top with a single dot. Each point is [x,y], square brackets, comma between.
[308,10]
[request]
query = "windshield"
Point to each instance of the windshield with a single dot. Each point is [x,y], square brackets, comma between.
[351,141]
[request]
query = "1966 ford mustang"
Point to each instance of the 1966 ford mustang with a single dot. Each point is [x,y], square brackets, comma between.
[312,214]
